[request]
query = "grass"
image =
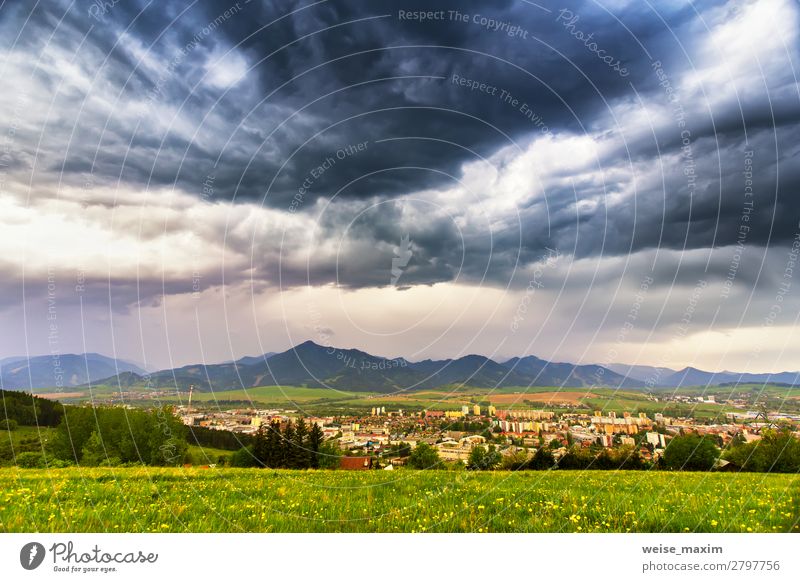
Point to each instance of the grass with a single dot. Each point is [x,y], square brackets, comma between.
[771,389]
[33,439]
[24,434]
[253,500]
[23,439]
[604,399]
[266,396]
[279,395]
[205,455]
[329,401]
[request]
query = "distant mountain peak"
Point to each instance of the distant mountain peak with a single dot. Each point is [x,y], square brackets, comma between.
[35,372]
[308,344]
[313,365]
[473,357]
[312,345]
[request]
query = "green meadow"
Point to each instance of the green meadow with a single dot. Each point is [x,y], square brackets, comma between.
[331,401]
[142,499]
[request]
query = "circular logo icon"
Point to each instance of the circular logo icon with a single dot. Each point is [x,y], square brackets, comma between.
[31,555]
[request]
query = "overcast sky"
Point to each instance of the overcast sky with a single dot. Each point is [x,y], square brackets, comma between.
[611,181]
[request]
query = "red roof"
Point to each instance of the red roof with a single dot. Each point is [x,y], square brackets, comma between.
[356,463]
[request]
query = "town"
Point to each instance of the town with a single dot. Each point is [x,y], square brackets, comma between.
[385,438]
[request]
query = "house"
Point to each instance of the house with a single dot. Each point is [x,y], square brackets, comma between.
[355,463]
[451,450]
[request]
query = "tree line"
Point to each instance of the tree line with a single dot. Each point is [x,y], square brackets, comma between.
[488,458]
[291,445]
[778,451]
[218,439]
[111,436]
[23,408]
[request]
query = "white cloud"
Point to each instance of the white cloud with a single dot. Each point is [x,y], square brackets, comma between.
[224,70]
[164,235]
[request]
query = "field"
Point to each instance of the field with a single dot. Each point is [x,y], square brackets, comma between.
[277,395]
[206,455]
[266,396]
[329,401]
[62,395]
[21,434]
[560,397]
[253,500]
[23,439]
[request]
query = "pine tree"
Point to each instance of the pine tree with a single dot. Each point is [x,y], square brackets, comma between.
[287,458]
[302,460]
[315,438]
[273,454]
[93,452]
[260,451]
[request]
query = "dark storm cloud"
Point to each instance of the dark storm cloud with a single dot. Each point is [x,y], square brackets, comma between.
[327,77]
[348,60]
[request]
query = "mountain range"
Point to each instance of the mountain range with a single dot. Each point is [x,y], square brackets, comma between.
[668,378]
[61,370]
[315,366]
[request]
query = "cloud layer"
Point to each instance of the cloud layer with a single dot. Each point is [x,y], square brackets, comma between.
[155,154]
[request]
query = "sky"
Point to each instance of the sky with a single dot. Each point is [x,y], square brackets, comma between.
[593,182]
